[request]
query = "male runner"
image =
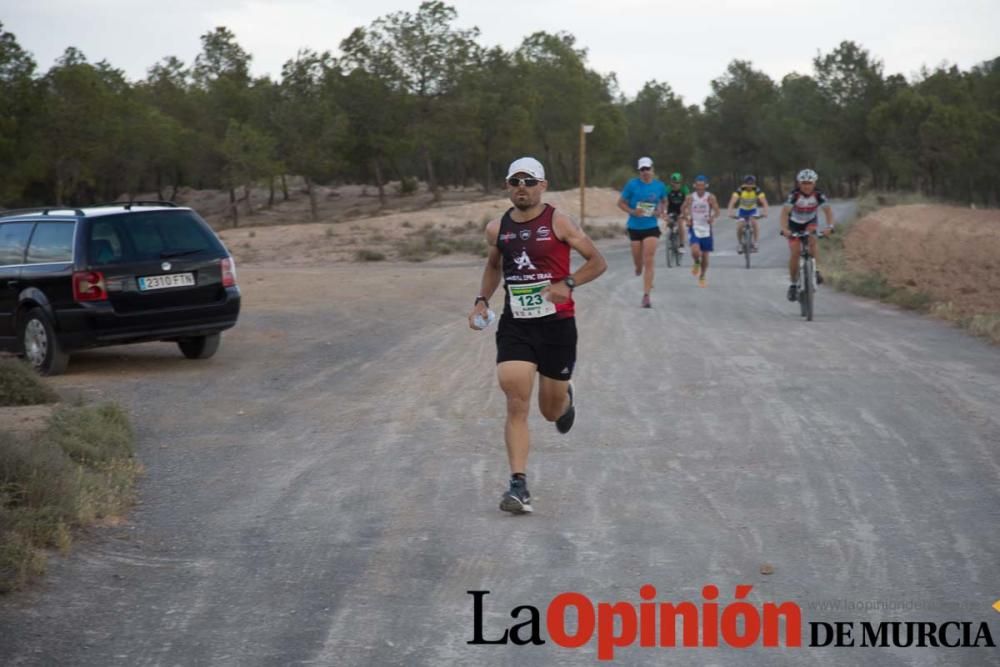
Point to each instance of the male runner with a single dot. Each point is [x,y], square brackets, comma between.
[801,214]
[530,247]
[675,202]
[643,199]
[701,209]
[748,196]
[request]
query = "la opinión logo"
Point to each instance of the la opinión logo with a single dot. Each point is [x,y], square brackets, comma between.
[706,624]
[653,624]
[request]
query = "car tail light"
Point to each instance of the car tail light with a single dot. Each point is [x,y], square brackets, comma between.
[89,286]
[229,272]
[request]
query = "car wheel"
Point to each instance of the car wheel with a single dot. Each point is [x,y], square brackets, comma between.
[39,344]
[201,347]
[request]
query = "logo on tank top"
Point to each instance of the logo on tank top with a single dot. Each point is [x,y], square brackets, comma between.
[524,262]
[509,236]
[543,233]
[525,234]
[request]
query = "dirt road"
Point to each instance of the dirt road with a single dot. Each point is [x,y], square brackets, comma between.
[324,491]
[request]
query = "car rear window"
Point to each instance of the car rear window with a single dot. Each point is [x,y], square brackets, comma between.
[13,239]
[150,235]
[52,242]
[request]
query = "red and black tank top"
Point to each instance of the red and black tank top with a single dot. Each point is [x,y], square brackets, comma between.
[531,254]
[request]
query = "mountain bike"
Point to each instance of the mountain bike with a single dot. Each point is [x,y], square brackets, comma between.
[746,240]
[673,244]
[806,285]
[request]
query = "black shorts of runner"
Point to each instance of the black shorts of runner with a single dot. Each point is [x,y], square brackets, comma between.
[549,344]
[640,234]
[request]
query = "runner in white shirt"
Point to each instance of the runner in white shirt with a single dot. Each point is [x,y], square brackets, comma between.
[700,210]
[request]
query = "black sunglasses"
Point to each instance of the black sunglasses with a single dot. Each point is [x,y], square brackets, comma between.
[529,182]
[645,168]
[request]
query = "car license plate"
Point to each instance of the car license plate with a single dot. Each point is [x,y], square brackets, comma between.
[162,282]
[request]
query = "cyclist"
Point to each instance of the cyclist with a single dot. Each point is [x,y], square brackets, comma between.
[676,195]
[701,209]
[748,196]
[801,214]
[643,199]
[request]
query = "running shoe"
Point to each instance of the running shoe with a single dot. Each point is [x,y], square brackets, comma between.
[793,292]
[516,500]
[702,283]
[565,423]
[645,301]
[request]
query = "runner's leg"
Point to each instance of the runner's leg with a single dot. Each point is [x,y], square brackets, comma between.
[517,381]
[648,262]
[637,256]
[553,397]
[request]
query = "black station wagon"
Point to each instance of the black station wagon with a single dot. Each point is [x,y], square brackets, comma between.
[72,279]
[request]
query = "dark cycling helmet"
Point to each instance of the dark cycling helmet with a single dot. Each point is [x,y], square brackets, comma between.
[701,177]
[676,177]
[749,179]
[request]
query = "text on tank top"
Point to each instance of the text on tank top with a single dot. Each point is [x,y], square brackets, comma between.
[532,259]
[700,211]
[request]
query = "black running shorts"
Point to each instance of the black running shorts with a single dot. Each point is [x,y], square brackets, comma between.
[549,344]
[640,234]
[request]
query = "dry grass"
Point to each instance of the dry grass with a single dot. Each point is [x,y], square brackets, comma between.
[366,255]
[428,242]
[20,385]
[78,470]
[597,232]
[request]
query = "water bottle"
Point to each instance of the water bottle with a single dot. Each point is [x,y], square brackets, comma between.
[481,322]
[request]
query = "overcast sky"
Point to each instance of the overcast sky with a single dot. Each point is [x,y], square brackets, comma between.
[686,44]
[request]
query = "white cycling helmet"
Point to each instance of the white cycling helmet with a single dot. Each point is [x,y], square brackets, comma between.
[807,175]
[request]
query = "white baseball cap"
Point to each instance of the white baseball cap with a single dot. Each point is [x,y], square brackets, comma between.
[527,165]
[645,162]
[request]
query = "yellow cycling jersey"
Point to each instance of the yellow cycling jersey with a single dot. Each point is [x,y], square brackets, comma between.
[748,198]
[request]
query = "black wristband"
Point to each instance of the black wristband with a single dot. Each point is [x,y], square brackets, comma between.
[480,298]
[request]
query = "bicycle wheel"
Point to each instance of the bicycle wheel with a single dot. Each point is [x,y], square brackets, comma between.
[668,249]
[676,249]
[747,242]
[809,287]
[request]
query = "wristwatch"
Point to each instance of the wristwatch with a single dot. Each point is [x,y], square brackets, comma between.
[480,298]
[570,283]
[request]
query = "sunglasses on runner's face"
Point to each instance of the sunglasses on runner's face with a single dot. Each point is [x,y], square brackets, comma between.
[516,182]
[645,168]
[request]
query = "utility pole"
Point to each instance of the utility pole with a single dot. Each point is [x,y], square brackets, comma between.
[584,131]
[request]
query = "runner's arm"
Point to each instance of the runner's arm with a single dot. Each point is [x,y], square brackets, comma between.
[686,208]
[569,231]
[623,205]
[713,204]
[491,273]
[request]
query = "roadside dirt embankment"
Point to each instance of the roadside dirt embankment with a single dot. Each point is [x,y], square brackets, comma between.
[951,254]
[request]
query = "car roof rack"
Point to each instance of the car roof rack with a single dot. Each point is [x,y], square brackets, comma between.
[44,210]
[137,202]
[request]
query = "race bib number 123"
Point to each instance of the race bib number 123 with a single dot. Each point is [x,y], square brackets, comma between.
[527,302]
